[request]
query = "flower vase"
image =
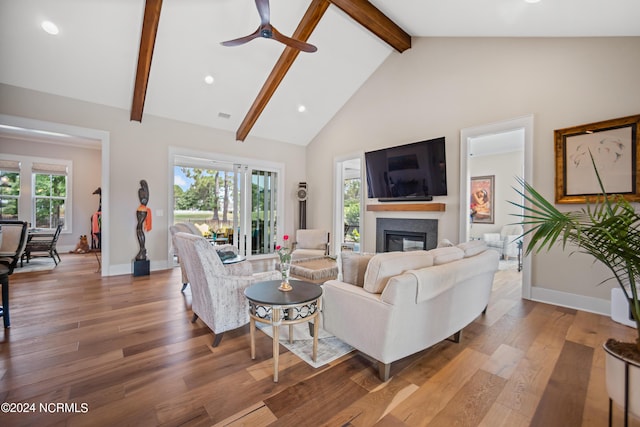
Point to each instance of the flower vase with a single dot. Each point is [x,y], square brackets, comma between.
[285,268]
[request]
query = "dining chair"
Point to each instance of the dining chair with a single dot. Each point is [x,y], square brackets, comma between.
[14,240]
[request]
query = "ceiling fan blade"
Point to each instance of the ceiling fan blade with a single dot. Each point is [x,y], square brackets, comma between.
[296,44]
[242,40]
[263,10]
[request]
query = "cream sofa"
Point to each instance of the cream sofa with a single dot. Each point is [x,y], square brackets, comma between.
[399,303]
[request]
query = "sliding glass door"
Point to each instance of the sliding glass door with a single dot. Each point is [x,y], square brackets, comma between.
[232,203]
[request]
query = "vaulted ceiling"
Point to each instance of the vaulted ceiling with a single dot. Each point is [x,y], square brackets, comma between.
[258,86]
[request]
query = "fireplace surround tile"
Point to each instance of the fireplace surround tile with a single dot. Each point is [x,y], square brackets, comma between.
[408,225]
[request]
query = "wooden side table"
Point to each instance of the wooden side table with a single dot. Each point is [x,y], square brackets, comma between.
[269,305]
[4,281]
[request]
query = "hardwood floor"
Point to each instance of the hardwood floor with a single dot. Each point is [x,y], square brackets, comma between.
[122,351]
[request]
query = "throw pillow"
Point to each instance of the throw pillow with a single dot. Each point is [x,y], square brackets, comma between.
[446,255]
[354,266]
[384,266]
[445,243]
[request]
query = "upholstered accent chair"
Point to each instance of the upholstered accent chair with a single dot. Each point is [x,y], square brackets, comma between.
[14,240]
[183,227]
[241,268]
[310,243]
[217,297]
[505,242]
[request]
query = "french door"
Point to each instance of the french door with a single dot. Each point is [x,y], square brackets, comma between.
[256,213]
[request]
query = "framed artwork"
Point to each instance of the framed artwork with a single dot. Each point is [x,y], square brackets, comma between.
[615,150]
[482,198]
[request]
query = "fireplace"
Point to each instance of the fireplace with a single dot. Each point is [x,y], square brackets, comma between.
[400,234]
[404,241]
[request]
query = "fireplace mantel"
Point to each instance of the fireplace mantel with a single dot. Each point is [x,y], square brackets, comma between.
[406,207]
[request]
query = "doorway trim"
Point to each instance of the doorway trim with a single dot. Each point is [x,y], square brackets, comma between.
[523,122]
[86,136]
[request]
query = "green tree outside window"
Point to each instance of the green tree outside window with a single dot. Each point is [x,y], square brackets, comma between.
[50,196]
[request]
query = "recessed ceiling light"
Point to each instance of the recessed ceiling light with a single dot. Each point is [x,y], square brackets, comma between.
[301,108]
[209,79]
[532,1]
[50,27]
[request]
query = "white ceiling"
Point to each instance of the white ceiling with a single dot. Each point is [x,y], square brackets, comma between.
[95,55]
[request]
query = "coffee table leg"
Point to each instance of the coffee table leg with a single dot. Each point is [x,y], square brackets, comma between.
[290,327]
[316,327]
[275,313]
[252,333]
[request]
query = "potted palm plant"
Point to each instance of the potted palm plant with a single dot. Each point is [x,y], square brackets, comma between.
[609,231]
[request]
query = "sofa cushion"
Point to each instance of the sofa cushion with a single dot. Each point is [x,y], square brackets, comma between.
[386,265]
[354,266]
[445,243]
[446,254]
[473,247]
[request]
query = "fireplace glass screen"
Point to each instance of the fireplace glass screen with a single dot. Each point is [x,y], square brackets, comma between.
[404,241]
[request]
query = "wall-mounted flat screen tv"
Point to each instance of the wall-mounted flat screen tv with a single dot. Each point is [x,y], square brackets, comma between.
[411,171]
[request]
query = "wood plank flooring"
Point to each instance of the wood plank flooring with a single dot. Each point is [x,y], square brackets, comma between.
[121,351]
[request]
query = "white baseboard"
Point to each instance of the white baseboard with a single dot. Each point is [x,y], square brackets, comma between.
[620,308]
[120,269]
[565,299]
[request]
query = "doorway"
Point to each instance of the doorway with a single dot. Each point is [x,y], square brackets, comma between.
[470,140]
[348,204]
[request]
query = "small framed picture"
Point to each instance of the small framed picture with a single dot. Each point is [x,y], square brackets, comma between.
[613,145]
[482,197]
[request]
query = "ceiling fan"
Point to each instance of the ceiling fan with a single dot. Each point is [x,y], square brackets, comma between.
[267,31]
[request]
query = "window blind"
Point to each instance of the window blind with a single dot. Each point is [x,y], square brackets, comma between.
[49,168]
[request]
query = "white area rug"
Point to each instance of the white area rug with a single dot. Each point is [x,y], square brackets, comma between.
[511,264]
[36,264]
[330,348]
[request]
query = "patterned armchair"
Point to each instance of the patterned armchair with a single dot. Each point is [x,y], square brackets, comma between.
[184,228]
[217,295]
[241,268]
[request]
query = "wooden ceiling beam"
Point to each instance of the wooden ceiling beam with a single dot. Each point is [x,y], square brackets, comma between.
[361,11]
[145,54]
[375,21]
[308,23]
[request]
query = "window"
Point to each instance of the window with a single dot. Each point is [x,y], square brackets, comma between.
[9,189]
[37,190]
[49,196]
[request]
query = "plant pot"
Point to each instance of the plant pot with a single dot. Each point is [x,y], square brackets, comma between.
[623,378]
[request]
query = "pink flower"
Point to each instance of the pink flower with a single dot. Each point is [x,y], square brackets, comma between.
[278,247]
[285,237]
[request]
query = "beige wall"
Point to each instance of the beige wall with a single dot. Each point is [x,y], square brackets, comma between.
[140,151]
[442,85]
[505,168]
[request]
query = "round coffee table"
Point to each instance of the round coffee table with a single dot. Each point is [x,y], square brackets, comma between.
[269,305]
